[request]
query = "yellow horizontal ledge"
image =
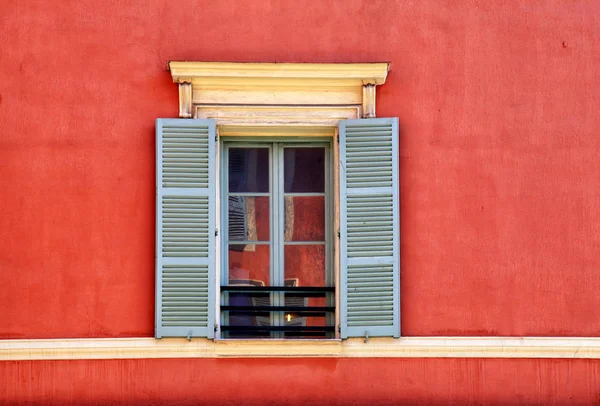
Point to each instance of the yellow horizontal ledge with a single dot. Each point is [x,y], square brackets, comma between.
[409,347]
[373,73]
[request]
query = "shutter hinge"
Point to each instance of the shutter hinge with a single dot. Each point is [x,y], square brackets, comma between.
[339,328]
[338,138]
[189,336]
[216,232]
[339,234]
[216,327]
[216,137]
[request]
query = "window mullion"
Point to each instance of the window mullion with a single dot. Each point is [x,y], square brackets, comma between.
[278,234]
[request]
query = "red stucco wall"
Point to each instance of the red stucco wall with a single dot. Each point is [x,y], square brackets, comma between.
[302,382]
[500,188]
[500,172]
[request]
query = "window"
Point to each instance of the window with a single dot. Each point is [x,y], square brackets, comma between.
[276,262]
[293,236]
[277,240]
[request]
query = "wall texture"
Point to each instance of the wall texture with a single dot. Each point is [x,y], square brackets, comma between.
[500,169]
[500,189]
[302,382]
[322,382]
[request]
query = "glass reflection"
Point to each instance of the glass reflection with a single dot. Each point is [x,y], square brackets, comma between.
[304,218]
[248,218]
[248,170]
[305,265]
[249,264]
[307,318]
[304,170]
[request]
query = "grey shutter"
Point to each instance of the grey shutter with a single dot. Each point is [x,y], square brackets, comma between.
[370,228]
[185,227]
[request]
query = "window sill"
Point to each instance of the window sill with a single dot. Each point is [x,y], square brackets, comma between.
[407,347]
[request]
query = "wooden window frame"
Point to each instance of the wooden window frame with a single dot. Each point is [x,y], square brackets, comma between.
[331,222]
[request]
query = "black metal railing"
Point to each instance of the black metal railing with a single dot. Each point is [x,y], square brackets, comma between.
[249,312]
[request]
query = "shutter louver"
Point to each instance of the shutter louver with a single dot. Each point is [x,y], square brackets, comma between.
[370,228]
[185,233]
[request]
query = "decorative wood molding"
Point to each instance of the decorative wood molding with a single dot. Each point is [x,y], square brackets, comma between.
[290,92]
[368,101]
[185,99]
[275,131]
[358,73]
[305,94]
[251,115]
[409,347]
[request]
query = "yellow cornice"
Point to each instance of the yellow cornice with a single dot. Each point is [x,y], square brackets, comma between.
[264,90]
[360,73]
[407,347]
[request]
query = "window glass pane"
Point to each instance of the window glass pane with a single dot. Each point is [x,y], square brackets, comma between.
[304,265]
[304,218]
[249,264]
[248,218]
[298,318]
[300,239]
[244,318]
[304,170]
[249,170]
[238,318]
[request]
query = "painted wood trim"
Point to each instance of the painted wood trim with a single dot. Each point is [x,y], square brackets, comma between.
[267,92]
[282,84]
[336,227]
[275,131]
[364,72]
[406,347]
[275,115]
[368,101]
[185,99]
